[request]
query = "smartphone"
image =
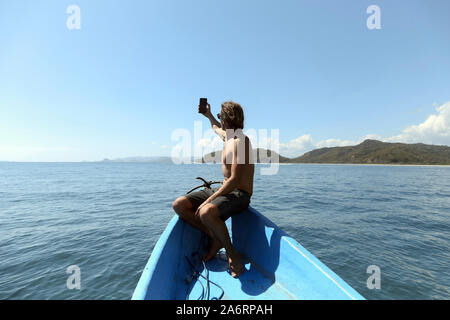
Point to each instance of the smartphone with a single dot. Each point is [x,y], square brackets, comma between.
[202,105]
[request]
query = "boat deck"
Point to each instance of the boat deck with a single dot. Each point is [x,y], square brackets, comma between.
[277,266]
[280,269]
[252,284]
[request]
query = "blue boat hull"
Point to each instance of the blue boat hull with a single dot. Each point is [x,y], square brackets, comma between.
[277,266]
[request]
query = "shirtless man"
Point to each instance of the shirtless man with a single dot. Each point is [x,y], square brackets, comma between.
[208,209]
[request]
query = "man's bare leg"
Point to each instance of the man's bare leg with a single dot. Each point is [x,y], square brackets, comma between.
[183,207]
[210,217]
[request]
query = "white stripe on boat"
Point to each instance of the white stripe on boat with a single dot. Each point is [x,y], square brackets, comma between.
[318,267]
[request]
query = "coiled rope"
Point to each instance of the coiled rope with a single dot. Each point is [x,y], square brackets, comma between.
[195,273]
[205,291]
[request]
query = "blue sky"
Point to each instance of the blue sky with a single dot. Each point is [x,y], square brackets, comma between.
[133,73]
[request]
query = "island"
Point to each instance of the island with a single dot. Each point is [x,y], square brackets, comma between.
[368,152]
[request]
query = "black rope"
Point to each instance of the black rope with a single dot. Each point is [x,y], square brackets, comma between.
[195,273]
[206,184]
[205,295]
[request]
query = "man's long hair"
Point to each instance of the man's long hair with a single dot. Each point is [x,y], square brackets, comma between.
[232,115]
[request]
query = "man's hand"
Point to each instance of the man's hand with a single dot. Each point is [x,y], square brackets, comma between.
[207,113]
[202,205]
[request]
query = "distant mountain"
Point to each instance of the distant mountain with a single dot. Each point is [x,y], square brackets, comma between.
[377,152]
[367,152]
[216,157]
[141,159]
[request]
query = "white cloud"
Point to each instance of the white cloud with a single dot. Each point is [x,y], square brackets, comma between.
[334,143]
[213,143]
[297,146]
[371,136]
[342,143]
[434,130]
[267,143]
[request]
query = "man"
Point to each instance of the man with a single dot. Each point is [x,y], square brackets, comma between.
[208,209]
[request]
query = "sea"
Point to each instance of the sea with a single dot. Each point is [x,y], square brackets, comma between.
[105,218]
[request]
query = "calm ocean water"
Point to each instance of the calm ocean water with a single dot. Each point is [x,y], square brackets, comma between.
[106,218]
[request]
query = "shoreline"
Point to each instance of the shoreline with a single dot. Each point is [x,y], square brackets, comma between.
[209,163]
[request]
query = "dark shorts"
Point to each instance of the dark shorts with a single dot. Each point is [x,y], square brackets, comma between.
[229,205]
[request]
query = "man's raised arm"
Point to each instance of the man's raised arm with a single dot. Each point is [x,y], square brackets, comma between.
[214,123]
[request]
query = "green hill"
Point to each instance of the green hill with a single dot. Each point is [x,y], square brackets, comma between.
[377,152]
[367,152]
[216,157]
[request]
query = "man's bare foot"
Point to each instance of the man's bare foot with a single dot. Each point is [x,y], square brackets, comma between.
[213,249]
[235,263]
